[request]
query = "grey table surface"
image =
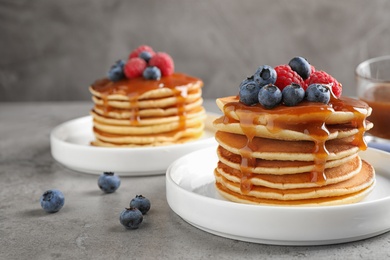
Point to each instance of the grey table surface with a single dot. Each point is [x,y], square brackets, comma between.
[88,227]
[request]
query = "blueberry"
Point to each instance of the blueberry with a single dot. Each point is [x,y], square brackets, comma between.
[245,81]
[293,94]
[116,72]
[131,218]
[300,66]
[270,96]
[318,93]
[145,55]
[109,182]
[52,200]
[152,72]
[141,203]
[265,75]
[248,92]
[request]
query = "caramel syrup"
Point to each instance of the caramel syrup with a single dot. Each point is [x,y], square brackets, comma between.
[134,88]
[250,116]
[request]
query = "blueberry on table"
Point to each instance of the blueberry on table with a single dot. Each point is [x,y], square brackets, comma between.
[301,66]
[52,200]
[265,75]
[270,96]
[318,93]
[293,94]
[141,203]
[109,182]
[131,218]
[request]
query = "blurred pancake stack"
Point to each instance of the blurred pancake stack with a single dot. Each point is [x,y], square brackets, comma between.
[304,154]
[143,102]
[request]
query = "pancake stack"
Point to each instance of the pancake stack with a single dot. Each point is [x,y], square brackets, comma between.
[134,111]
[140,112]
[303,155]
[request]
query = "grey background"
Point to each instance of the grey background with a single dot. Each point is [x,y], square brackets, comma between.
[53,50]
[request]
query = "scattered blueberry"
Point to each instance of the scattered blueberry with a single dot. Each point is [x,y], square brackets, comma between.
[265,75]
[145,55]
[141,203]
[152,72]
[249,91]
[301,66]
[52,200]
[318,93]
[293,94]
[270,96]
[116,72]
[109,182]
[131,218]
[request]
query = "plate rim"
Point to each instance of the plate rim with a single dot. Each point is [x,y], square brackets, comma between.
[57,142]
[331,209]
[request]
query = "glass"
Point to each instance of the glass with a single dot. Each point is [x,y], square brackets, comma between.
[373,87]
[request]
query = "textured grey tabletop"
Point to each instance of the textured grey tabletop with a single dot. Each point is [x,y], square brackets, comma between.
[88,227]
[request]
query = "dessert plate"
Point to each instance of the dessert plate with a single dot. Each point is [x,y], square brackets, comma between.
[70,146]
[191,194]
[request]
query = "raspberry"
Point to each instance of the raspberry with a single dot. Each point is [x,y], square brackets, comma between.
[313,69]
[286,76]
[134,67]
[136,52]
[321,77]
[164,62]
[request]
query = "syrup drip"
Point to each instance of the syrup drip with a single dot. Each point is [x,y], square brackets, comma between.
[134,88]
[249,117]
[247,161]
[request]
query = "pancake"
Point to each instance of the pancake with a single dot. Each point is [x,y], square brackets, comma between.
[324,201]
[274,149]
[306,112]
[276,167]
[291,181]
[147,112]
[352,186]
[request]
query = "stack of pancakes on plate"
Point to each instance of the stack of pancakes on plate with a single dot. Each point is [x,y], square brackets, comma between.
[305,155]
[139,112]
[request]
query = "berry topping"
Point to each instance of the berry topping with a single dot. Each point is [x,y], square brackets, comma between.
[52,200]
[300,66]
[136,52]
[109,182]
[265,75]
[152,72]
[145,55]
[293,94]
[249,91]
[134,67]
[116,72]
[321,77]
[164,62]
[131,218]
[141,203]
[270,96]
[286,76]
[318,93]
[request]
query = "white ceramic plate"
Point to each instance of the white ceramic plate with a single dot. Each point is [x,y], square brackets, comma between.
[191,195]
[70,145]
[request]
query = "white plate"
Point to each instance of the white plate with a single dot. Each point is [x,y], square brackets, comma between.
[191,195]
[70,145]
